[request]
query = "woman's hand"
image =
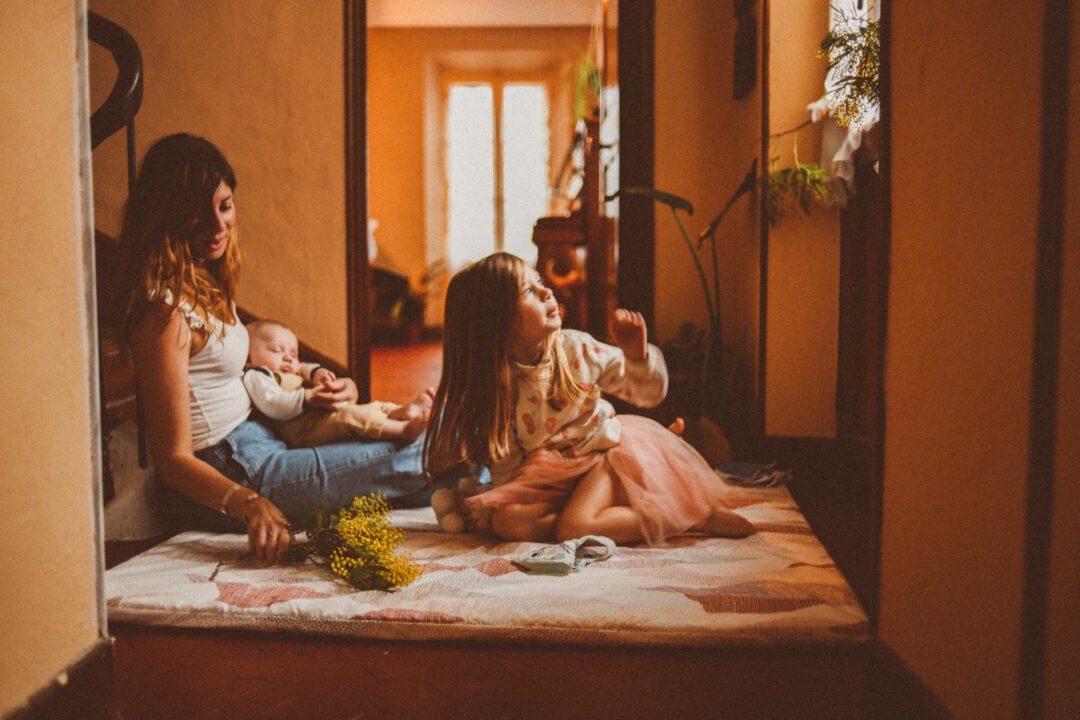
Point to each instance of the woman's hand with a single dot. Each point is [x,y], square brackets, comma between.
[269,534]
[330,395]
[629,332]
[323,377]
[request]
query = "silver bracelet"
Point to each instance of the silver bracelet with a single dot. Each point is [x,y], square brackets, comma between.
[228,496]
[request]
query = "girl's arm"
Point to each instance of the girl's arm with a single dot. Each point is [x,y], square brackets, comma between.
[630,334]
[160,346]
[637,375]
[503,470]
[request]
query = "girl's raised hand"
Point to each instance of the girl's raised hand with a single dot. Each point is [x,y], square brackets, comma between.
[629,332]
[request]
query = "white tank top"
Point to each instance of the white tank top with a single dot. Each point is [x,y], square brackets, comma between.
[218,399]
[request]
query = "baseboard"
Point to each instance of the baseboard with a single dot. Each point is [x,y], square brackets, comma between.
[835,486]
[900,694]
[86,690]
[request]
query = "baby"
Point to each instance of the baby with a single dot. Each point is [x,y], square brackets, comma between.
[280,386]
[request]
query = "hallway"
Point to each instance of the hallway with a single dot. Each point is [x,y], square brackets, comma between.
[399,372]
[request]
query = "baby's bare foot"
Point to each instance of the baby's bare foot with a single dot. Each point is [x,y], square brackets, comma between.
[414,427]
[419,406]
[678,426]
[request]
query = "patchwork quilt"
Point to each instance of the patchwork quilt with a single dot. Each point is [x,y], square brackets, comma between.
[779,586]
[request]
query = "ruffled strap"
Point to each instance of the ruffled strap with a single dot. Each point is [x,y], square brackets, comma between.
[194,319]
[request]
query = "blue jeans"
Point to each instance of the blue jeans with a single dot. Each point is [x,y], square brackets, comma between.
[305,481]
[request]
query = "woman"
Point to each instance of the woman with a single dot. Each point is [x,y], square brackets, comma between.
[226,471]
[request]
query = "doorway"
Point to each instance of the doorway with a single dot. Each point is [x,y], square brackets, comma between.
[408,236]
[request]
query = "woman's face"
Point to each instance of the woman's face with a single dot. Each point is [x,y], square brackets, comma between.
[212,233]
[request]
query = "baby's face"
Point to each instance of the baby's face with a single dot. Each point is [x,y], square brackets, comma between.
[275,348]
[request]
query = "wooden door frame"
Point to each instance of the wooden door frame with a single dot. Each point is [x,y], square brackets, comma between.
[636,274]
[357,275]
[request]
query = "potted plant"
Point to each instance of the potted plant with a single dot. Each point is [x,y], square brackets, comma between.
[703,356]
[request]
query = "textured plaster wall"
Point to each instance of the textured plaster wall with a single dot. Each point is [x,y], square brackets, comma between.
[49,604]
[694,71]
[965,182]
[264,80]
[804,250]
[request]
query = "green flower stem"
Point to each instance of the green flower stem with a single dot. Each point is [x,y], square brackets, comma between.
[697,265]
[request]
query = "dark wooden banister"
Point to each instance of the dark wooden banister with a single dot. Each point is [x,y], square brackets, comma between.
[119,109]
[115,114]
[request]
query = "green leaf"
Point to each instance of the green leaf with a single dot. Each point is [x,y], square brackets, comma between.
[673,201]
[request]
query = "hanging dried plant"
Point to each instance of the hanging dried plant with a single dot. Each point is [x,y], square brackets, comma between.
[853,51]
[802,184]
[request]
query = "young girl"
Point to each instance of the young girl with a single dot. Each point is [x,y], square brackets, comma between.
[523,396]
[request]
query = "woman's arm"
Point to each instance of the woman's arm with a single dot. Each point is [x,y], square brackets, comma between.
[331,393]
[161,345]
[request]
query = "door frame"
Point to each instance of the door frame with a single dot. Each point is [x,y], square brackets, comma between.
[636,31]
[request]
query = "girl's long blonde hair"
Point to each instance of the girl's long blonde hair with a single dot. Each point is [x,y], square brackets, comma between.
[173,194]
[472,418]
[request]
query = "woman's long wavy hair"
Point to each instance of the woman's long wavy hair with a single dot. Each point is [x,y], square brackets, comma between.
[473,415]
[172,198]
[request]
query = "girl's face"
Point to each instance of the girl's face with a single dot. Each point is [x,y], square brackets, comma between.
[537,316]
[212,233]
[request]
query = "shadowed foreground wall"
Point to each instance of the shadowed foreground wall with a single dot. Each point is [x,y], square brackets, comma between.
[965,200]
[49,601]
[1063,619]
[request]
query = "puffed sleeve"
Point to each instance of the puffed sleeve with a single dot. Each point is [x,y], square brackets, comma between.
[269,398]
[643,382]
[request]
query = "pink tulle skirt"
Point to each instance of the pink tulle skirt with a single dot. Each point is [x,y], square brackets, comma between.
[666,481]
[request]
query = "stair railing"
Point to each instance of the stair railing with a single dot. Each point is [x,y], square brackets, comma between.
[119,109]
[115,114]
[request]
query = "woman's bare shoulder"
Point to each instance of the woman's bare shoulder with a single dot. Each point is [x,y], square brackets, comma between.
[159,322]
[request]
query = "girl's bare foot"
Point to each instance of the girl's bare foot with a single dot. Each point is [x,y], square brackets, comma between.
[725,523]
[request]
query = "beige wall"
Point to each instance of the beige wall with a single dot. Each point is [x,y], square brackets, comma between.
[694,69]
[50,602]
[694,99]
[965,178]
[804,250]
[264,80]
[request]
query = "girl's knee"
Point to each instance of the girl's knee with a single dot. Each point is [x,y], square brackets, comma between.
[571,526]
[519,524]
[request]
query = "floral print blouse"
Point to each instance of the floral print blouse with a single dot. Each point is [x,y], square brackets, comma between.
[590,425]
